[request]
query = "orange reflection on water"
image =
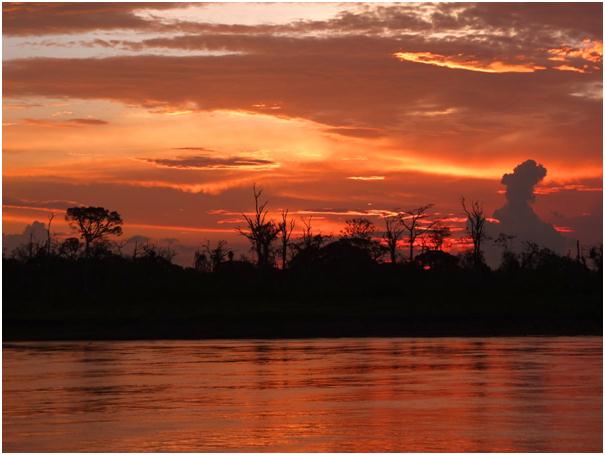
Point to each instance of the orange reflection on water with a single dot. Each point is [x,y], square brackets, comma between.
[363,395]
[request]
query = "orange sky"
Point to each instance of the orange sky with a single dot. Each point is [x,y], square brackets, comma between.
[169,113]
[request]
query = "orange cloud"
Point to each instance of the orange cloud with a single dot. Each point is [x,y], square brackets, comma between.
[591,51]
[367,178]
[459,62]
[569,68]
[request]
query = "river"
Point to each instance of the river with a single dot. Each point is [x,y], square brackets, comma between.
[340,395]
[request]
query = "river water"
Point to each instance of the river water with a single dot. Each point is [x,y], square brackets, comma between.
[395,394]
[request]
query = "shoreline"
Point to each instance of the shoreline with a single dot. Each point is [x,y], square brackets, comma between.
[285,328]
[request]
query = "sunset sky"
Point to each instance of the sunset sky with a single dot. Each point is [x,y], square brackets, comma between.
[168,113]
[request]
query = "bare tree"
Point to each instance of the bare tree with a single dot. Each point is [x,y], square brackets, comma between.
[94,224]
[49,234]
[200,261]
[393,232]
[359,232]
[119,246]
[358,229]
[261,232]
[412,221]
[151,252]
[309,241]
[475,226]
[437,235]
[596,255]
[216,255]
[307,232]
[285,228]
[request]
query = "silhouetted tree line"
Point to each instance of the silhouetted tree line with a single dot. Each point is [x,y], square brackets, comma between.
[90,275]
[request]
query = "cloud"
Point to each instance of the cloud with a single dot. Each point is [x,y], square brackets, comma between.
[87,121]
[367,177]
[45,205]
[521,19]
[520,184]
[357,132]
[22,19]
[67,123]
[201,162]
[35,232]
[469,64]
[517,217]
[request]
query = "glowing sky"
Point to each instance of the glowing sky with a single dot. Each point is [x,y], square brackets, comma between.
[169,113]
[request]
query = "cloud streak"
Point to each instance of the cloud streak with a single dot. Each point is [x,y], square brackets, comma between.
[459,62]
[202,162]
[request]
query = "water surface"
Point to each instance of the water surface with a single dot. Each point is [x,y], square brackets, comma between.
[397,394]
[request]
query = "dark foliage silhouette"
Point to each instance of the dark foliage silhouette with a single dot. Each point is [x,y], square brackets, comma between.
[324,279]
[438,234]
[359,232]
[95,224]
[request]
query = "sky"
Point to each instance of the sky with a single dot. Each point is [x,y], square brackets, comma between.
[170,112]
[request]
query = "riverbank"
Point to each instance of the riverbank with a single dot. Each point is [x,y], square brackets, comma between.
[289,328]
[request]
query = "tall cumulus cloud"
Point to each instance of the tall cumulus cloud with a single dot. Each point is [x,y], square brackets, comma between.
[517,216]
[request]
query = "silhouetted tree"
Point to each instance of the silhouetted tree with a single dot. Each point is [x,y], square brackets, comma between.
[579,254]
[510,261]
[29,250]
[437,235]
[475,227]
[412,221]
[306,249]
[358,232]
[94,224]
[393,231]
[596,256]
[200,261]
[214,256]
[309,240]
[70,248]
[261,232]
[49,234]
[285,228]
[504,241]
[358,229]
[154,253]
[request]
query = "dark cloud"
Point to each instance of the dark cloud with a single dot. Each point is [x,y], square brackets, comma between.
[577,19]
[87,121]
[67,123]
[54,204]
[208,162]
[35,232]
[137,239]
[22,19]
[520,184]
[357,132]
[517,216]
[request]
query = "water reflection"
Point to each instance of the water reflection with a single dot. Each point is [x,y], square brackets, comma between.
[440,394]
